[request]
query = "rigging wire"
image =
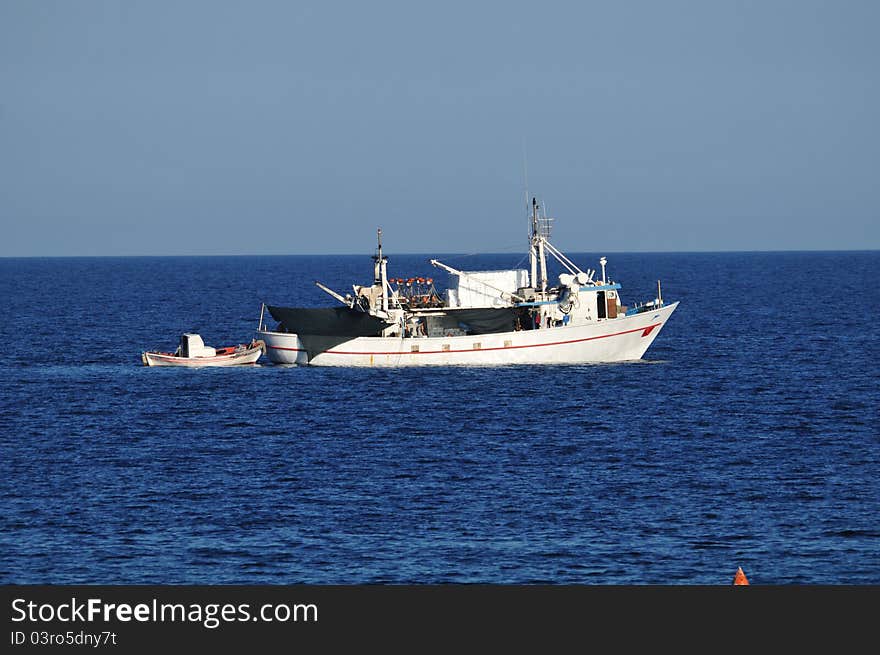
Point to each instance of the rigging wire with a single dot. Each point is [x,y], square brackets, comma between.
[501,251]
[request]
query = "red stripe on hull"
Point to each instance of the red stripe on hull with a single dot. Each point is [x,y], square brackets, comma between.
[644,330]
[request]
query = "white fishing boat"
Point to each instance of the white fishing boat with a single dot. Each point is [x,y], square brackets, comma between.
[193,352]
[483,318]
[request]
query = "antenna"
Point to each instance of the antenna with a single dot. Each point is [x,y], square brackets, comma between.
[526,179]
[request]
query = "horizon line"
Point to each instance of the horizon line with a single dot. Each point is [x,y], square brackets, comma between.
[458,254]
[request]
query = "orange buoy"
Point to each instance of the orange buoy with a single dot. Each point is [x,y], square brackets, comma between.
[740,577]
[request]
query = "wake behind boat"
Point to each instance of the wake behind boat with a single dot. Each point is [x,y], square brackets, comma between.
[192,351]
[484,317]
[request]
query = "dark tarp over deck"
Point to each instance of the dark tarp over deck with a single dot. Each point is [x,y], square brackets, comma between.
[328,321]
[345,322]
[486,320]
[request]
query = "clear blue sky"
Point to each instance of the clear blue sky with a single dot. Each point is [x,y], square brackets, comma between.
[152,127]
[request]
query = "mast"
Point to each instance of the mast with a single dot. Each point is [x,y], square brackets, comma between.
[533,246]
[543,260]
[537,256]
[380,274]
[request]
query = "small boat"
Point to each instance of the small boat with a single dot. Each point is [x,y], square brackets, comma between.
[192,351]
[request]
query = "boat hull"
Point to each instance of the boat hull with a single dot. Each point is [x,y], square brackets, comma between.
[244,357]
[614,340]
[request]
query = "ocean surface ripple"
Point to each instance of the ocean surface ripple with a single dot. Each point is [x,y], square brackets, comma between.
[747,437]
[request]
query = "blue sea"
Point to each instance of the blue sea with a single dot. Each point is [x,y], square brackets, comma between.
[748,436]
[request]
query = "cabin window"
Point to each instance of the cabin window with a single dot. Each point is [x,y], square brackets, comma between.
[414,349]
[477,346]
[445,347]
[600,305]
